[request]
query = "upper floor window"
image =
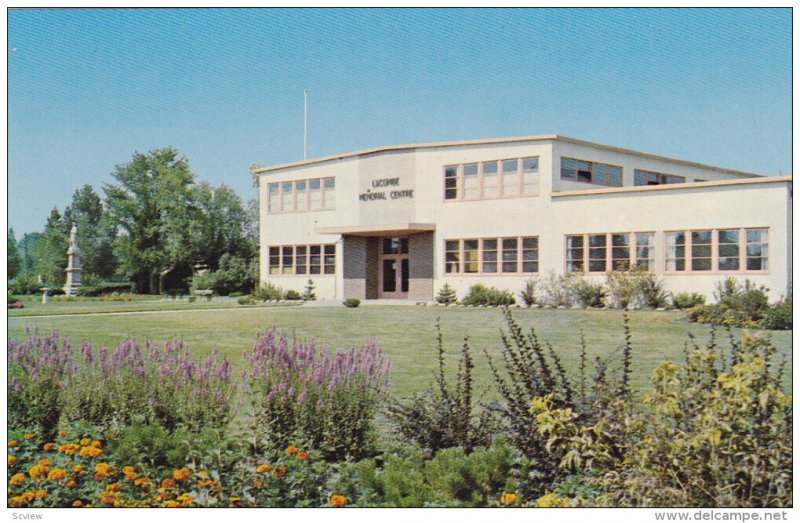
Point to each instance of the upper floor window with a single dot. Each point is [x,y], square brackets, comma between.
[314,194]
[642,177]
[591,172]
[492,179]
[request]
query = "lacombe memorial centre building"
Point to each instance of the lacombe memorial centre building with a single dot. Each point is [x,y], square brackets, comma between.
[398,222]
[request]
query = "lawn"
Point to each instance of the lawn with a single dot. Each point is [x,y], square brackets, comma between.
[406,334]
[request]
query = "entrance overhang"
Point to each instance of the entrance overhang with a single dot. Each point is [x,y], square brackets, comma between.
[397,229]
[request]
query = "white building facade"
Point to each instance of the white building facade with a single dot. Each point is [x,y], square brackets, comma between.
[401,221]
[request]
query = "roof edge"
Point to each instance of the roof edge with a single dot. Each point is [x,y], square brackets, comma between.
[675,186]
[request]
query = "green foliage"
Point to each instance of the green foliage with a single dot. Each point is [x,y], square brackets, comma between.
[246,300]
[150,445]
[557,290]
[308,292]
[106,287]
[651,290]
[738,305]
[95,235]
[778,317]
[446,295]
[268,292]
[684,300]
[291,295]
[589,294]
[635,288]
[528,294]
[13,260]
[25,283]
[351,303]
[482,295]
[50,252]
[444,416]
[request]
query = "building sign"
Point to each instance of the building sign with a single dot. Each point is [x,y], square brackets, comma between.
[385,189]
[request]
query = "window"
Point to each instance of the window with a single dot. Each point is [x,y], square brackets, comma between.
[302,195]
[609,252]
[676,251]
[329,196]
[645,251]
[642,177]
[302,259]
[575,253]
[491,255]
[451,256]
[492,179]
[723,250]
[591,172]
[470,256]
[757,243]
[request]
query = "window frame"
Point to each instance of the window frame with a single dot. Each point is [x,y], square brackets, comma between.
[660,177]
[282,269]
[608,251]
[592,175]
[327,198]
[501,187]
[742,243]
[461,253]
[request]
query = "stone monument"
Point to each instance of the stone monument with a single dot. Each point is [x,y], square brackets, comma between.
[73,264]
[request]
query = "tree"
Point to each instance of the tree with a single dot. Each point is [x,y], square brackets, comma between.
[50,252]
[13,261]
[223,226]
[26,246]
[96,232]
[152,204]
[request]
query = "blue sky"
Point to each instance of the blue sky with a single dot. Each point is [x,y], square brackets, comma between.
[88,88]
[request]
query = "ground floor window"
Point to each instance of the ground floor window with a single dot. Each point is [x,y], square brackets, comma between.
[610,252]
[492,255]
[302,259]
[721,250]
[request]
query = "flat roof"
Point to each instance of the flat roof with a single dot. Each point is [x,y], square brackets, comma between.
[259,170]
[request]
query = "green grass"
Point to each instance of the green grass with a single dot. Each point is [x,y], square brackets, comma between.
[406,334]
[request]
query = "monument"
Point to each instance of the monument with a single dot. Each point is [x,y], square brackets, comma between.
[73,264]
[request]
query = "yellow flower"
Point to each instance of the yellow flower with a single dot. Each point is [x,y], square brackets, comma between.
[96,444]
[203,473]
[508,498]
[234,500]
[302,456]
[12,443]
[292,450]
[172,504]
[142,482]
[85,441]
[99,476]
[11,460]
[104,468]
[551,500]
[17,479]
[90,452]
[185,500]
[69,448]
[48,447]
[263,468]
[338,501]
[257,484]
[28,436]
[16,501]
[62,433]
[279,472]
[180,474]
[40,494]
[113,487]
[109,498]
[37,472]
[128,470]
[77,503]
[168,483]
[28,496]
[71,483]
[77,469]
[57,474]
[45,463]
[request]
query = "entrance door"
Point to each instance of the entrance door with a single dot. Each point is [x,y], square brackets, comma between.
[393,269]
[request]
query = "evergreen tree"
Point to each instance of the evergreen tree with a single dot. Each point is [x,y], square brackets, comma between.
[50,252]
[446,295]
[13,261]
[308,293]
[96,232]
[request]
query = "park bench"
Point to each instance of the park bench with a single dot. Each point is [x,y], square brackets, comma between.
[208,293]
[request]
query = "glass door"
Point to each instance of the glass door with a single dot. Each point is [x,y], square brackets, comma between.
[393,268]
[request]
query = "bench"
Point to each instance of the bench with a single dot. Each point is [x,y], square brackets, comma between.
[208,293]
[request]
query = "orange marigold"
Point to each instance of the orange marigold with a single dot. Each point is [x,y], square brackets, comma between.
[234,500]
[100,476]
[185,500]
[128,469]
[40,494]
[338,501]
[77,469]
[509,498]
[17,479]
[71,483]
[28,496]
[104,468]
[257,484]
[12,460]
[143,482]
[69,448]
[113,487]
[291,450]
[48,447]
[45,463]
[28,436]
[263,468]
[12,443]
[172,504]
[56,474]
[109,498]
[16,501]
[85,441]
[77,503]
[90,452]
[181,474]
[37,472]
[62,433]
[279,472]
[96,444]
[168,483]
[205,483]
[302,456]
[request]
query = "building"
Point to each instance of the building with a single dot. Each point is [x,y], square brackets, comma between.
[401,221]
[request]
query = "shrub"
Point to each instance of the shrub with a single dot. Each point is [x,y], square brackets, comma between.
[291,295]
[651,290]
[779,316]
[589,294]
[25,283]
[268,292]
[446,295]
[738,305]
[233,275]
[11,298]
[106,287]
[684,300]
[444,416]
[246,300]
[528,294]
[557,290]
[328,399]
[623,288]
[351,303]
[481,295]
[308,292]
